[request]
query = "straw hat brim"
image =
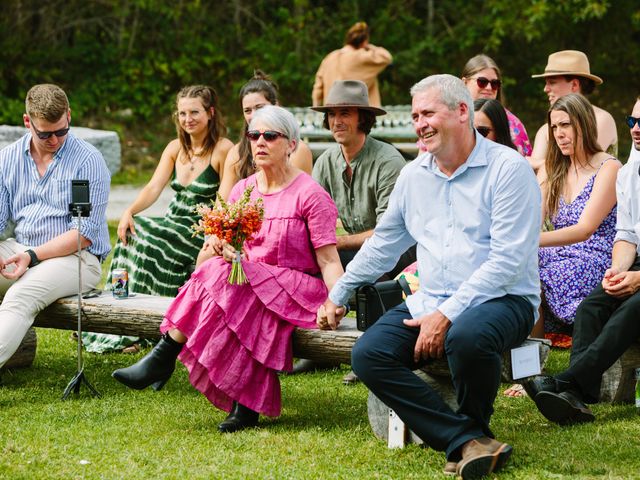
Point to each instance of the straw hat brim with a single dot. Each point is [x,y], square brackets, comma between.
[595,78]
[323,108]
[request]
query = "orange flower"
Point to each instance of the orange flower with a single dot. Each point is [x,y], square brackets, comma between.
[233,222]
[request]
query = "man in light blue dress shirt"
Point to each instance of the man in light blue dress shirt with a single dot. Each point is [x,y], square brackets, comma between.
[40,264]
[473,208]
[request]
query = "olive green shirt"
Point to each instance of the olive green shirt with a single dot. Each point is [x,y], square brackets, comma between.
[362,201]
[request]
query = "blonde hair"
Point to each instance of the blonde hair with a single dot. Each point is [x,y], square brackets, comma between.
[583,121]
[479,63]
[47,102]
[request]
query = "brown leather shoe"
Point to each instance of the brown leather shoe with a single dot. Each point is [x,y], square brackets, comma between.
[481,456]
[450,468]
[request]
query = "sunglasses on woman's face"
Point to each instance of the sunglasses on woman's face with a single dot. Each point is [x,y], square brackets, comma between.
[484,81]
[631,121]
[269,135]
[484,131]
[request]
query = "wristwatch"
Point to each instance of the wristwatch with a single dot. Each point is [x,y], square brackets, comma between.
[34,258]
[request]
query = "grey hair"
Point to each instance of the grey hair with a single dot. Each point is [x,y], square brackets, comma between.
[278,119]
[452,90]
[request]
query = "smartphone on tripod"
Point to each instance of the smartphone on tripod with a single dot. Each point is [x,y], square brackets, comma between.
[80,204]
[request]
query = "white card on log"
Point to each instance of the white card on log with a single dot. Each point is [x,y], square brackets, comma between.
[397,431]
[525,361]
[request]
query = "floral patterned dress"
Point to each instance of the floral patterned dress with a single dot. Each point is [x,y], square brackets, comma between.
[569,273]
[519,134]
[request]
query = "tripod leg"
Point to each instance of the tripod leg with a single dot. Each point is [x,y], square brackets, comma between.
[74,385]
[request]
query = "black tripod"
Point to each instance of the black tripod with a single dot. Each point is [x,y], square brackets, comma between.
[79,207]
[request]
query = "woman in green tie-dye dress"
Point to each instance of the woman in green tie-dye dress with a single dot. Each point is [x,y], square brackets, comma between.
[159,252]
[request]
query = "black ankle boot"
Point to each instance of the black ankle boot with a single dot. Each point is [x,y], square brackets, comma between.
[239,418]
[154,369]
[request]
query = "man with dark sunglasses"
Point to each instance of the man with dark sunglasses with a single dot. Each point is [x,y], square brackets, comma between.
[359,172]
[568,72]
[39,260]
[606,322]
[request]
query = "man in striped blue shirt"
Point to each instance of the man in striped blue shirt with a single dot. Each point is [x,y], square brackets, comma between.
[40,263]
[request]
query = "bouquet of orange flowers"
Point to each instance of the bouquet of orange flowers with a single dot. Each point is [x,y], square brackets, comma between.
[234,222]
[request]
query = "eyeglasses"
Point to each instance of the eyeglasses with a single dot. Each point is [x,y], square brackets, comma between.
[484,81]
[269,135]
[44,135]
[631,121]
[484,131]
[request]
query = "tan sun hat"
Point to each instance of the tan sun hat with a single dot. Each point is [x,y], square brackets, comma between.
[568,62]
[347,94]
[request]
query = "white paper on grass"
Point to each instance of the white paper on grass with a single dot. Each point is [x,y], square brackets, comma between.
[525,361]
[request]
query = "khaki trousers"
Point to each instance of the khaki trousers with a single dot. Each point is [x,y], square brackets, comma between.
[40,286]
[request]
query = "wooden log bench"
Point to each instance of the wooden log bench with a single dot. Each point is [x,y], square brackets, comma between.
[141,316]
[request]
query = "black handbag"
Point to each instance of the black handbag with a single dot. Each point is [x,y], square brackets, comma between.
[373,300]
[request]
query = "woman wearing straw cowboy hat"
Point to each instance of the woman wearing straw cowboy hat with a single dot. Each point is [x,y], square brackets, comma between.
[567,72]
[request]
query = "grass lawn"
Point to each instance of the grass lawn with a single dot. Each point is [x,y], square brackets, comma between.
[322,433]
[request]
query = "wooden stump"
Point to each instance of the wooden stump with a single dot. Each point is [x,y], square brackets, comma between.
[619,382]
[378,412]
[26,351]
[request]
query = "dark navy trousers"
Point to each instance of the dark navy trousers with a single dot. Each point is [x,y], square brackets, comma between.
[383,359]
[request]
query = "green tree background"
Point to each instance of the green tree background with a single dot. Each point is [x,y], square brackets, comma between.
[122,61]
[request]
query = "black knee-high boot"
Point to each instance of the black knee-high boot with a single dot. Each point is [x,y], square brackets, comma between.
[154,369]
[239,418]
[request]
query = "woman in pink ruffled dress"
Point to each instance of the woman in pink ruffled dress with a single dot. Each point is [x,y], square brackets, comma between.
[233,339]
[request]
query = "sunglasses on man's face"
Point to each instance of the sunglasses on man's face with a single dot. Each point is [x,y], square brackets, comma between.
[483,82]
[484,131]
[45,135]
[269,135]
[631,121]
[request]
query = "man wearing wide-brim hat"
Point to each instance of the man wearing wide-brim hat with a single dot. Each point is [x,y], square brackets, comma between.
[567,72]
[359,172]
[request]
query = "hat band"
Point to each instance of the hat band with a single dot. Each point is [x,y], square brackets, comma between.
[560,72]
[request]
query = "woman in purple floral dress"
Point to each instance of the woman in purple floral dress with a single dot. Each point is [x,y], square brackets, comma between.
[578,183]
